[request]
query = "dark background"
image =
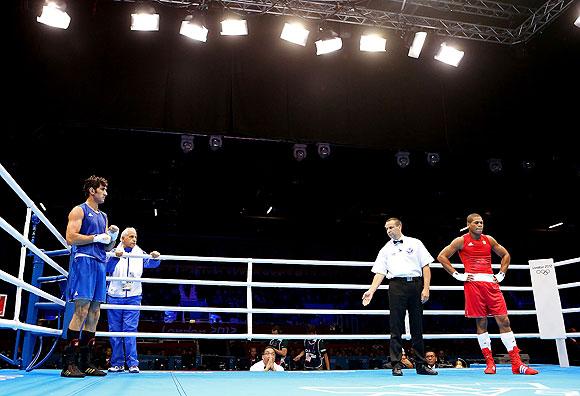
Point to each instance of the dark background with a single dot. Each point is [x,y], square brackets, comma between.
[100,99]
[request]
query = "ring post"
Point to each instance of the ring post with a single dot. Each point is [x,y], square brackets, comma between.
[548,306]
[249,296]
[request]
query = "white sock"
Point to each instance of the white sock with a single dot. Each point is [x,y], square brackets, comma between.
[509,340]
[484,340]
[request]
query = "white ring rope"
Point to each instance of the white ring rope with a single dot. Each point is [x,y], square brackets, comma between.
[16,324]
[28,287]
[286,262]
[30,204]
[569,285]
[16,235]
[286,284]
[566,262]
[291,311]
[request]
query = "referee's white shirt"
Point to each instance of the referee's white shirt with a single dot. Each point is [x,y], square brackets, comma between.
[402,260]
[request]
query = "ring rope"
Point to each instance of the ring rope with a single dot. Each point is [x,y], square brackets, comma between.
[566,262]
[284,284]
[16,235]
[286,262]
[20,283]
[30,204]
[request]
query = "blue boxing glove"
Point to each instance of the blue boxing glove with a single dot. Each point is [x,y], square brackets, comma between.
[113,232]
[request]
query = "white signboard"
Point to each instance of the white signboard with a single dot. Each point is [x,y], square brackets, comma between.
[547,299]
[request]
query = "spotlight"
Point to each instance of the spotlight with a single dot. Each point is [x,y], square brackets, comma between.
[577,22]
[323,150]
[215,142]
[145,19]
[299,152]
[373,43]
[449,55]
[528,164]
[295,33]
[194,28]
[495,165]
[327,41]
[433,159]
[234,27]
[53,14]
[417,45]
[187,143]
[403,159]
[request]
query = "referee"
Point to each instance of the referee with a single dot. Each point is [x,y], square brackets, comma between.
[405,261]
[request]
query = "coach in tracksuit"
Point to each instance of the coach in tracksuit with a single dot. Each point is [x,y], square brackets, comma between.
[126,293]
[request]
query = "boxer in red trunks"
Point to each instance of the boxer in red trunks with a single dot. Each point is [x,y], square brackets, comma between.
[483,296]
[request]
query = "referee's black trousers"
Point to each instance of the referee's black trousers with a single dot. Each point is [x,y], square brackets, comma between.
[406,295]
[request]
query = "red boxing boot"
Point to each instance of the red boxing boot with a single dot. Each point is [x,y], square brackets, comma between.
[490,364]
[517,366]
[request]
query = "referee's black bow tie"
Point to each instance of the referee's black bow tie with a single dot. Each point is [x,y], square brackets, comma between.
[399,241]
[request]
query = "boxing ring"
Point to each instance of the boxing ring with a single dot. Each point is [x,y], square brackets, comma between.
[29,379]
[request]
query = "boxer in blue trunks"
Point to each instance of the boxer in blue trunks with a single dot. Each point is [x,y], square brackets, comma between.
[89,234]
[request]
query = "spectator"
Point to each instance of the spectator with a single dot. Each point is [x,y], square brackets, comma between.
[268,361]
[431,359]
[460,363]
[442,360]
[405,361]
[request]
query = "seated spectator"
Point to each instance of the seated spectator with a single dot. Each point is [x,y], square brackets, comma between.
[268,361]
[249,360]
[442,360]
[405,361]
[460,363]
[431,359]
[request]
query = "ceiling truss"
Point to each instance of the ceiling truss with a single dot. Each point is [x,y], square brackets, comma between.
[480,20]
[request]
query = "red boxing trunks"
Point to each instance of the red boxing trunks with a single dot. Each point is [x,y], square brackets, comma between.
[483,299]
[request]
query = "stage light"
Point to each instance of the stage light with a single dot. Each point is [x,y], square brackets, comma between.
[323,150]
[53,14]
[528,164]
[577,22]
[327,41]
[295,33]
[299,152]
[373,43]
[194,28]
[234,27]
[145,19]
[403,159]
[417,46]
[556,225]
[215,142]
[433,159]
[495,165]
[449,55]
[187,143]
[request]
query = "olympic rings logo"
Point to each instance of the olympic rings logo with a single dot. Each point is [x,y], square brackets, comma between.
[543,272]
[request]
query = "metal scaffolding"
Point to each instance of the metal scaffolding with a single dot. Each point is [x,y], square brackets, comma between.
[480,20]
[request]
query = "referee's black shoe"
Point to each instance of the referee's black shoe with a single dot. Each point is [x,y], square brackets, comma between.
[397,372]
[424,370]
